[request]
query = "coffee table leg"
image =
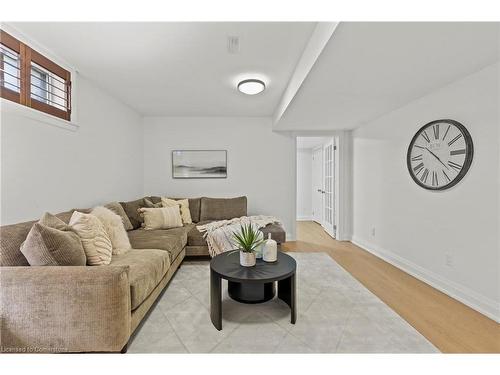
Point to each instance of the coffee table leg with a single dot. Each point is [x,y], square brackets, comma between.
[286,292]
[216,300]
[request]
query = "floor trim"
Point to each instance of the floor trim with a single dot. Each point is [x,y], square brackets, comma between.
[304,218]
[480,303]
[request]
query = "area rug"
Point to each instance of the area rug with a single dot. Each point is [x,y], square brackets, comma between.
[336,314]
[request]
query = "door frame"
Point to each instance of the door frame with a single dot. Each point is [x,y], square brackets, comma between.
[343,178]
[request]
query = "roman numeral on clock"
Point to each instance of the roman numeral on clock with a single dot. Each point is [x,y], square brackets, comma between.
[426,137]
[455,166]
[418,168]
[424,176]
[435,128]
[446,132]
[435,181]
[457,152]
[417,158]
[455,139]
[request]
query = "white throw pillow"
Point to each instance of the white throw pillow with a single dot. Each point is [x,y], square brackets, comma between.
[183,203]
[161,218]
[113,225]
[95,240]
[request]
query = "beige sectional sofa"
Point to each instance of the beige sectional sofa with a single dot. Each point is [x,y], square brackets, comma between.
[97,308]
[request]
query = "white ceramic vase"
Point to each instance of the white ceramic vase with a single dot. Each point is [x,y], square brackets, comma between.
[270,250]
[247,259]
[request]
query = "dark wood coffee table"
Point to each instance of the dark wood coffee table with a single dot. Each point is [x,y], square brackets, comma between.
[255,284]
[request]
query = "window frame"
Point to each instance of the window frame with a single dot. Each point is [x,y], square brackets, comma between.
[27,56]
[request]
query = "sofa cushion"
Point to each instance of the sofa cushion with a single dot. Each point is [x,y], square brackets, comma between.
[222,208]
[147,268]
[95,240]
[118,209]
[194,206]
[150,204]
[131,209]
[184,208]
[161,218]
[172,240]
[12,237]
[194,236]
[53,245]
[113,225]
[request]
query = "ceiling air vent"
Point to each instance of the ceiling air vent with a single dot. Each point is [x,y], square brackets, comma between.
[233,44]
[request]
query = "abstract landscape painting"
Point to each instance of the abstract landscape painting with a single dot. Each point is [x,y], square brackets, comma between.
[199,164]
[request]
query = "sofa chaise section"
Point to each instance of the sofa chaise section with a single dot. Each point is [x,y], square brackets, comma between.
[81,309]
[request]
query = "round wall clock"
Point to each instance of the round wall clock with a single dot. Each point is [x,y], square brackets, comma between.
[440,154]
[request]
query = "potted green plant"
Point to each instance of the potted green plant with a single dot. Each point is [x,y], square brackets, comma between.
[247,239]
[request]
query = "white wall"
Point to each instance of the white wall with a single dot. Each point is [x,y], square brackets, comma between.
[416,228]
[261,164]
[49,168]
[304,184]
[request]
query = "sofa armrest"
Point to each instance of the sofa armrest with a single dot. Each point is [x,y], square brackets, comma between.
[64,309]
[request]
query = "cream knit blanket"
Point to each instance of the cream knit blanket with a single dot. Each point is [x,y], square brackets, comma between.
[219,234]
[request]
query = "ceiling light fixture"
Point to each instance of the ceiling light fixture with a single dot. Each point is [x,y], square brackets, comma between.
[251,86]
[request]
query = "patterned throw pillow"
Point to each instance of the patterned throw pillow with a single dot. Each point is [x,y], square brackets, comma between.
[161,218]
[113,225]
[183,203]
[51,242]
[95,240]
[149,204]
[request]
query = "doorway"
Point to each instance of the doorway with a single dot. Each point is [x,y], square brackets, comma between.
[316,185]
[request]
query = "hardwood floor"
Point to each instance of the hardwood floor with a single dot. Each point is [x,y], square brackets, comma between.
[450,325]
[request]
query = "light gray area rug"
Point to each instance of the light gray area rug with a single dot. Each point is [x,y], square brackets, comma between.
[336,314]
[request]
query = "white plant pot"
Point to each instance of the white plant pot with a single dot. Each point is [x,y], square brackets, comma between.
[247,259]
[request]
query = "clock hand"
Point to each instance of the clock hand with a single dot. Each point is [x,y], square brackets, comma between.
[444,165]
[433,154]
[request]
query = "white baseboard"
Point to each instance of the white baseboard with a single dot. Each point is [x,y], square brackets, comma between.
[474,300]
[304,218]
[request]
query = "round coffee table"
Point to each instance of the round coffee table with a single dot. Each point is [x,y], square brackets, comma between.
[255,284]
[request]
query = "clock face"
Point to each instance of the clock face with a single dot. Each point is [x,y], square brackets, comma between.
[440,154]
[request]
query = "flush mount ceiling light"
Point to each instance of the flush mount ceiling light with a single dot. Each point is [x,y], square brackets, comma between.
[251,86]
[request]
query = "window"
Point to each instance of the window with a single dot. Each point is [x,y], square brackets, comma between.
[10,69]
[30,79]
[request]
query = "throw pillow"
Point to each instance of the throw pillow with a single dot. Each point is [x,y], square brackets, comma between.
[95,240]
[161,218]
[53,221]
[113,225]
[131,208]
[50,242]
[184,203]
[118,209]
[149,203]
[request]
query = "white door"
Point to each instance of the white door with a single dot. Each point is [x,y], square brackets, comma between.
[317,185]
[329,188]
